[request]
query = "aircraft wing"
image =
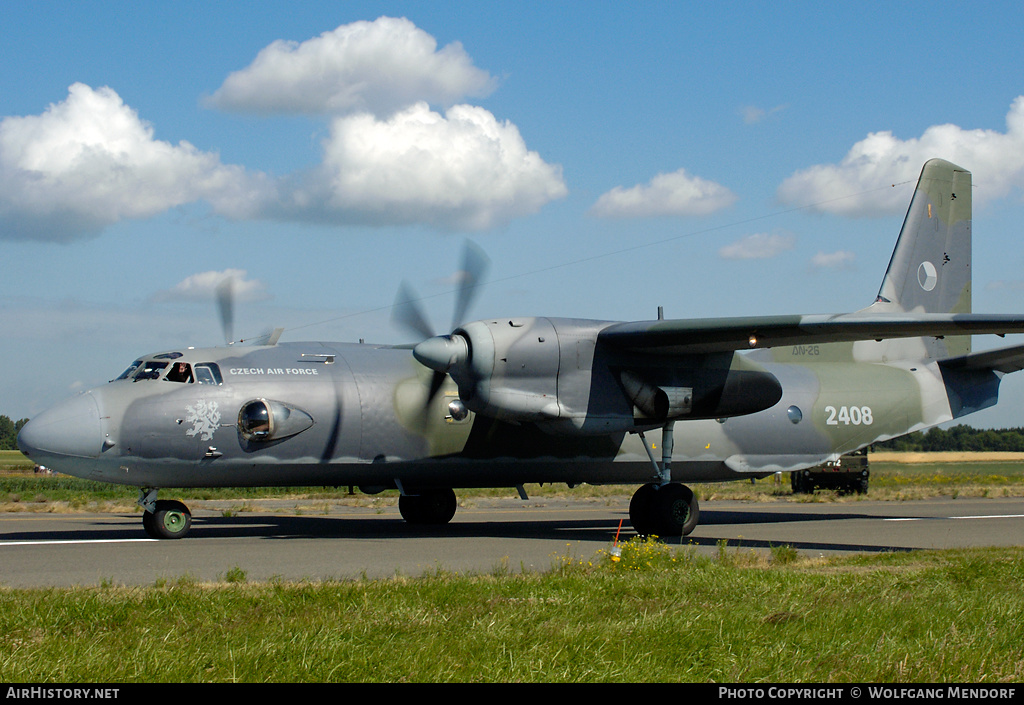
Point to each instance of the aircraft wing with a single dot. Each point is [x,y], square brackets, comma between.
[710,335]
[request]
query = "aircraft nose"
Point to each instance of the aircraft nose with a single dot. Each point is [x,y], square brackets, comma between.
[72,428]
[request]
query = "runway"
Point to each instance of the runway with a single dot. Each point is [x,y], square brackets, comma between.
[486,535]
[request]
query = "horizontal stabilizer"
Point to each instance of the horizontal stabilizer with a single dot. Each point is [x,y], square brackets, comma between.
[1004,360]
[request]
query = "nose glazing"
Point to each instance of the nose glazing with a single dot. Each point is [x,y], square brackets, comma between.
[72,428]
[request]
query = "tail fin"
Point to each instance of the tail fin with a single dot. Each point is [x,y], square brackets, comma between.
[930,269]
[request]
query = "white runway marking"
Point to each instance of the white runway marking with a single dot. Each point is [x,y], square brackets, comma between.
[70,541]
[976,516]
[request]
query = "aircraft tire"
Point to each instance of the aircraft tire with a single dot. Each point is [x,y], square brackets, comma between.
[169,520]
[641,509]
[429,507]
[677,510]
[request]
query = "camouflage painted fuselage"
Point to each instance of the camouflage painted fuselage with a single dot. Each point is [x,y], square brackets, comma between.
[371,425]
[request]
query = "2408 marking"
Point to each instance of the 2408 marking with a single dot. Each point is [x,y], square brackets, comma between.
[847,415]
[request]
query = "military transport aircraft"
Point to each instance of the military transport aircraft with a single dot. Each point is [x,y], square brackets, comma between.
[500,402]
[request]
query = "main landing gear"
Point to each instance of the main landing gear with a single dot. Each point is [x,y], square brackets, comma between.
[663,508]
[433,507]
[165,518]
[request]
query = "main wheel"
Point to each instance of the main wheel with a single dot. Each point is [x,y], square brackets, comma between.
[664,510]
[429,507]
[641,506]
[169,520]
[676,509]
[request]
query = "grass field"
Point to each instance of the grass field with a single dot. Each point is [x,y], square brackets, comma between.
[657,615]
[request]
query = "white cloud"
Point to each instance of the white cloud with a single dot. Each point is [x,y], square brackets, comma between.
[202,287]
[462,170]
[841,259]
[675,194]
[758,246]
[1005,285]
[378,66]
[752,114]
[89,161]
[860,184]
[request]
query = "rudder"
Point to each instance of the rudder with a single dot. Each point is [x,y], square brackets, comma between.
[930,269]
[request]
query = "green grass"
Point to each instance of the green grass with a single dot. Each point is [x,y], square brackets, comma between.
[995,474]
[14,461]
[657,614]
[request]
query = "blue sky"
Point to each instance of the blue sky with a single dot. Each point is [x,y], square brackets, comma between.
[712,158]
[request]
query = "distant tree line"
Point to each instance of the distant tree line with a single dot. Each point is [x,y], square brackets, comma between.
[958,438]
[9,432]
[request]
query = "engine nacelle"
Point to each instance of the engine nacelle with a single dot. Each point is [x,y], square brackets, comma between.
[511,370]
[551,372]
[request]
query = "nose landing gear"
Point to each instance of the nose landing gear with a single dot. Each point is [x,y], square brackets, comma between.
[165,518]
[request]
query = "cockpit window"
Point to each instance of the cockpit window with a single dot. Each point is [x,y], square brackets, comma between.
[151,369]
[180,372]
[131,369]
[208,373]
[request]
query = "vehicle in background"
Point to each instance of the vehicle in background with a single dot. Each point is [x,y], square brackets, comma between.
[849,473]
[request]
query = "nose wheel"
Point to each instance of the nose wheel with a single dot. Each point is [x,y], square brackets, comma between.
[165,518]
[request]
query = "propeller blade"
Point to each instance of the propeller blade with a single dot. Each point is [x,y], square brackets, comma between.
[226,307]
[474,266]
[435,386]
[440,353]
[408,313]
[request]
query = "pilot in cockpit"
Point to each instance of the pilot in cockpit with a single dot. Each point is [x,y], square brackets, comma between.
[181,372]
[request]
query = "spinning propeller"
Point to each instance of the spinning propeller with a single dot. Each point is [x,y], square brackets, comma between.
[225,295]
[226,308]
[441,352]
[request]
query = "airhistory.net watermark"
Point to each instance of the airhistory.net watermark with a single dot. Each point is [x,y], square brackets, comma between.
[55,693]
